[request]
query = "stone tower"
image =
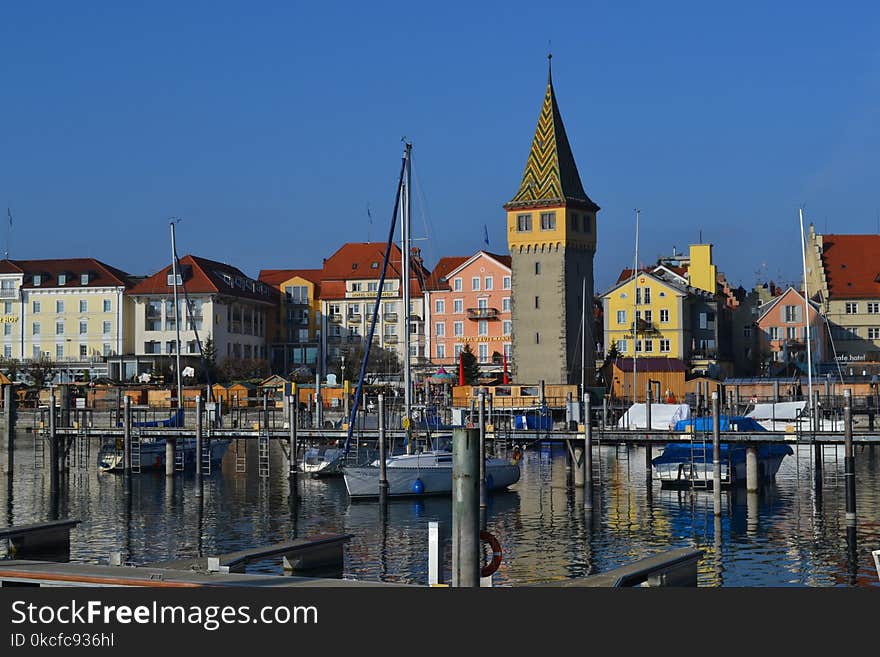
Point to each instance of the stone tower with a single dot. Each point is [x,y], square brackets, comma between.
[551,233]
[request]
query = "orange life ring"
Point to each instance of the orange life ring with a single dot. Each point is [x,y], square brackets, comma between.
[492,566]
[517,455]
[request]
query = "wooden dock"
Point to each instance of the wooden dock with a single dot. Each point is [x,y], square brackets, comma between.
[42,538]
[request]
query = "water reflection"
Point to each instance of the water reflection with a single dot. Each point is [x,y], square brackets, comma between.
[787,534]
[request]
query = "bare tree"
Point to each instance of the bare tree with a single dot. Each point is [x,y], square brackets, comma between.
[41,370]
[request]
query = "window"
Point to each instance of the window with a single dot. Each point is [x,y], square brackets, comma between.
[664,346]
[638,294]
[773,332]
[83,351]
[106,328]
[59,306]
[588,223]
[506,283]
[354,309]
[59,351]
[83,306]
[35,328]
[488,283]
[59,328]
[747,331]
[791,314]
[457,349]
[537,338]
[791,332]
[638,346]
[458,329]
[537,268]
[372,286]
[7,329]
[35,352]
[38,280]
[482,327]
[537,302]
[83,328]
[575,224]
[648,316]
[548,220]
[62,279]
[458,306]
[873,308]
[36,307]
[874,333]
[507,350]
[507,327]
[83,279]
[105,349]
[647,295]
[622,346]
[7,307]
[621,317]
[482,303]
[851,308]
[440,306]
[703,321]
[475,283]
[440,329]
[505,304]
[7,351]
[524,223]
[441,351]
[457,284]
[649,346]
[483,351]
[357,287]
[388,286]
[664,316]
[107,306]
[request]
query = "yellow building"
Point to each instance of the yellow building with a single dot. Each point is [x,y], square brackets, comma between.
[294,335]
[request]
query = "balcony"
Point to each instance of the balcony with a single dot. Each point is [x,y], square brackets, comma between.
[390,339]
[355,318]
[482,313]
[390,317]
[336,318]
[9,293]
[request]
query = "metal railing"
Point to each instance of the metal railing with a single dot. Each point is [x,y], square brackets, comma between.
[482,313]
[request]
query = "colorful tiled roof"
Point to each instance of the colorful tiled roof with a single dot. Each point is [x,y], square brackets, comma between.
[551,176]
[100,274]
[852,265]
[203,276]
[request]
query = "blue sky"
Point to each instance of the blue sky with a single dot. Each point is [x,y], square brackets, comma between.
[271,127]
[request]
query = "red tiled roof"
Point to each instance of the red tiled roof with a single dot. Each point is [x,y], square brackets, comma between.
[275,277]
[101,274]
[626,274]
[363,260]
[651,364]
[852,265]
[205,277]
[444,266]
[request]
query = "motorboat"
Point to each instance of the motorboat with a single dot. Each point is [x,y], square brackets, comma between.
[150,453]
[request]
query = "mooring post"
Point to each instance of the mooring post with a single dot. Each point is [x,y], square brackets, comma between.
[648,426]
[199,437]
[483,492]
[466,507]
[604,411]
[292,449]
[8,427]
[53,443]
[126,436]
[435,576]
[170,445]
[751,468]
[775,391]
[716,455]
[849,462]
[383,475]
[588,456]
[869,402]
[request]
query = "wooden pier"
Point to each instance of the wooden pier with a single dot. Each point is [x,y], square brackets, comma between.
[46,539]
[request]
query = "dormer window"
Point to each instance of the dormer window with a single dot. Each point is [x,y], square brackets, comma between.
[374,265]
[354,265]
[38,280]
[84,279]
[62,279]
[170,279]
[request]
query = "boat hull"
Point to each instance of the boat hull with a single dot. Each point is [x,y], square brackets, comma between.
[363,482]
[697,468]
[153,455]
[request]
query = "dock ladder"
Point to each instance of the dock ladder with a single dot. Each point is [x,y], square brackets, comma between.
[263,445]
[179,454]
[82,447]
[699,463]
[240,456]
[206,453]
[135,450]
[40,448]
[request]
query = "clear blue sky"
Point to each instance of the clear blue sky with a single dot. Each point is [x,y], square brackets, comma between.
[270,127]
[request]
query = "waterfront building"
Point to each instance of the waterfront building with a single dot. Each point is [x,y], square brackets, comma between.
[72,311]
[349,286]
[843,277]
[551,234]
[295,331]
[225,305]
[783,334]
[468,301]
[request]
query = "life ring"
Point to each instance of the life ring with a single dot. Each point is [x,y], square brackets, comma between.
[517,455]
[492,566]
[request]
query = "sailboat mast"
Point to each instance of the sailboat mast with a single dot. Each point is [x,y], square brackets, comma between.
[635,297]
[807,316]
[583,335]
[176,317]
[406,207]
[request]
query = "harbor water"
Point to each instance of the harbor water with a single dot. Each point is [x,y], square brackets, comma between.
[789,534]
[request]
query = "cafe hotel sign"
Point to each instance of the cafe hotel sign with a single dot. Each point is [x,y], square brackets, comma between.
[8,319]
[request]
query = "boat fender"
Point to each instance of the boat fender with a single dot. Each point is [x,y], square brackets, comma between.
[492,566]
[418,487]
[517,455]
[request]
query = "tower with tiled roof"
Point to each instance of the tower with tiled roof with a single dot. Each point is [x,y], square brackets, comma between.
[551,233]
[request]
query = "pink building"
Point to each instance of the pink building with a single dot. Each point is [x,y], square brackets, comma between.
[783,332]
[467,301]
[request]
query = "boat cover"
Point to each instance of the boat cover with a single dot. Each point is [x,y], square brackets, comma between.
[663,416]
[727,423]
[782,411]
[732,453]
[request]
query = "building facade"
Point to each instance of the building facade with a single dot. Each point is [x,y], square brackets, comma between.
[468,301]
[70,311]
[783,334]
[295,330]
[223,304]
[551,234]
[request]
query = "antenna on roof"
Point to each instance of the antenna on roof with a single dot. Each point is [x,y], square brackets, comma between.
[8,232]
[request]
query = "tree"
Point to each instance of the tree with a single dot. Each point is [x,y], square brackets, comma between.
[470,365]
[381,361]
[11,367]
[41,370]
[613,353]
[208,368]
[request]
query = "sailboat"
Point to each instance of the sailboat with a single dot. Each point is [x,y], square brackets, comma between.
[414,473]
[151,450]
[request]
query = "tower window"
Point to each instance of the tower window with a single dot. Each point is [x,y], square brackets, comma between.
[575,224]
[548,220]
[537,268]
[537,338]
[536,302]
[524,223]
[588,223]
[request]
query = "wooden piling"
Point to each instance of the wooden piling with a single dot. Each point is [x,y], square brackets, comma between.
[9,425]
[465,508]
[53,444]
[588,456]
[383,474]
[648,450]
[716,455]
[293,449]
[199,437]
[751,468]
[126,436]
[849,464]
[483,492]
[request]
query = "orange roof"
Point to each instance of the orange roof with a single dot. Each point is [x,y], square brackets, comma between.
[444,266]
[852,265]
[363,260]
[275,277]
[100,274]
[203,276]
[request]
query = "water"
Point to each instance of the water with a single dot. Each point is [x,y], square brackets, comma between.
[788,536]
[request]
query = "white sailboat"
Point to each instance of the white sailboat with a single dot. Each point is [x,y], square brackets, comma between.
[428,472]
